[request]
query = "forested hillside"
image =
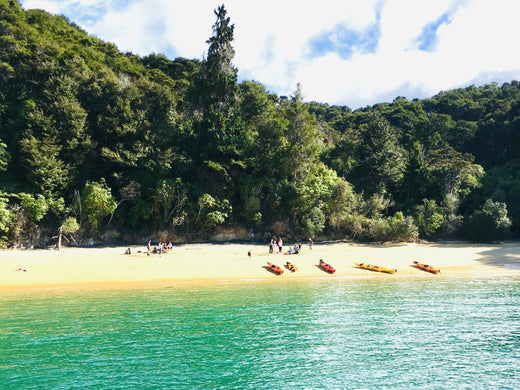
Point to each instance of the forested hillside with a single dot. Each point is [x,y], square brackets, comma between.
[95,143]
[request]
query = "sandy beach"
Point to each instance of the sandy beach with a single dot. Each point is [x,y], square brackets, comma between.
[21,269]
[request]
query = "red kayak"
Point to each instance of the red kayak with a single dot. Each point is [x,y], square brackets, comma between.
[275,268]
[327,267]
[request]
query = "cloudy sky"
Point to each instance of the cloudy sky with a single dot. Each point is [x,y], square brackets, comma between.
[347,52]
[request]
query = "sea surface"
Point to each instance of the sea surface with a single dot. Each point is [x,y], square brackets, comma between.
[430,332]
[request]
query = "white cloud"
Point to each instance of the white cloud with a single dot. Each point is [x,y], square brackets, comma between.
[47,5]
[475,44]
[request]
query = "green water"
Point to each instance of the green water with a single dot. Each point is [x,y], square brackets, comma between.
[428,333]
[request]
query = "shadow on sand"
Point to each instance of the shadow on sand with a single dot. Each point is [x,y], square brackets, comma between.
[267,268]
[506,255]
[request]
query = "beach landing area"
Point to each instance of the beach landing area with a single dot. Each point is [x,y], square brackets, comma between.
[228,262]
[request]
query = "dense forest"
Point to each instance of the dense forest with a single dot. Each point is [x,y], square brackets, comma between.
[112,147]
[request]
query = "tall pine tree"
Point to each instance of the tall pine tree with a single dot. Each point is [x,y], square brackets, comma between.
[217,122]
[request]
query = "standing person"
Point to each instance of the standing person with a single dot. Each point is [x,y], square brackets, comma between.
[310,243]
[149,245]
[271,246]
[280,244]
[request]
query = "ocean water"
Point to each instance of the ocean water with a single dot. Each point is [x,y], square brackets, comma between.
[426,332]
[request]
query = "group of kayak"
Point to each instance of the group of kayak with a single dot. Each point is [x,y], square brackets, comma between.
[291,267]
[330,269]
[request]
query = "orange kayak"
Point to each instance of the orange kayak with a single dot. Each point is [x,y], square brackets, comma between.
[426,267]
[275,268]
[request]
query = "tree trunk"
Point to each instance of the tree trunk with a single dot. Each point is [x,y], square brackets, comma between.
[58,245]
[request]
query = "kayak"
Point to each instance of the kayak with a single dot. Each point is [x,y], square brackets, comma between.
[275,268]
[376,268]
[291,267]
[426,267]
[327,267]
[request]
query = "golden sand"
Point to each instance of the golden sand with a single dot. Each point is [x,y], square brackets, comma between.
[226,262]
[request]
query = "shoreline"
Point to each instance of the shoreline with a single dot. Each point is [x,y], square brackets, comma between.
[216,263]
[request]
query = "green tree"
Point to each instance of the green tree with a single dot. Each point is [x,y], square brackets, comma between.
[303,139]
[417,180]
[67,229]
[305,185]
[218,69]
[6,219]
[35,207]
[96,202]
[219,139]
[212,211]
[454,172]
[4,157]
[380,157]
[70,225]
[345,211]
[313,194]
[395,228]
[429,218]
[170,201]
[41,156]
[490,223]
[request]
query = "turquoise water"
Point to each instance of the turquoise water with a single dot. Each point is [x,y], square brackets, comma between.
[428,333]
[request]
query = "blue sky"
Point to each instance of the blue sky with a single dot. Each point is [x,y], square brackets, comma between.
[347,52]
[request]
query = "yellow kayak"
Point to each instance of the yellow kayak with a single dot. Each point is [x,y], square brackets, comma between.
[291,267]
[376,268]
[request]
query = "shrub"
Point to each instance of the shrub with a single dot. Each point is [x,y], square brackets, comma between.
[490,223]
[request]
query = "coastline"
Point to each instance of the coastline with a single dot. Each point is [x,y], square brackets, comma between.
[109,266]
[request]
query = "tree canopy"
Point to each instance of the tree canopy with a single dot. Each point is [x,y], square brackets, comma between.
[94,140]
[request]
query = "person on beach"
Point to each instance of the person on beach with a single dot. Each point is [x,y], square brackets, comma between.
[271,246]
[149,245]
[310,244]
[280,244]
